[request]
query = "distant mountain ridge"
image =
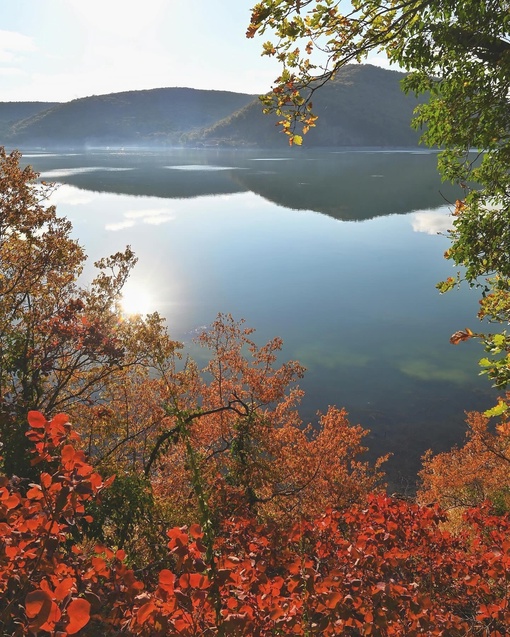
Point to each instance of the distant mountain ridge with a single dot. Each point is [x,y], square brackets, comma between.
[362,106]
[156,116]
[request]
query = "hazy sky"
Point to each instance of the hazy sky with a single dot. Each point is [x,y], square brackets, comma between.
[63,49]
[58,50]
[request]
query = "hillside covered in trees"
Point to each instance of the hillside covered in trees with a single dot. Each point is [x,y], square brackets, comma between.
[13,112]
[349,114]
[363,106]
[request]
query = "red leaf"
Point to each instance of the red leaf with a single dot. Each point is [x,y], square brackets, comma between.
[78,612]
[332,600]
[68,453]
[166,580]
[36,420]
[64,588]
[60,419]
[38,605]
[195,531]
[177,538]
[12,501]
[194,580]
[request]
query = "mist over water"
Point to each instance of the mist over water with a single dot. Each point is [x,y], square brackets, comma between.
[336,252]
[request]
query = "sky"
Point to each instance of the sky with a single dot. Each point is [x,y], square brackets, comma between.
[59,50]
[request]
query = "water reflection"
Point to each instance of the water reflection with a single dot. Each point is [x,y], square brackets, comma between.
[432,222]
[345,185]
[354,302]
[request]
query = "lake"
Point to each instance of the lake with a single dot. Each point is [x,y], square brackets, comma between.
[337,252]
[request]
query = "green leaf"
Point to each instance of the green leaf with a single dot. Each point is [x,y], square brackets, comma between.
[497,410]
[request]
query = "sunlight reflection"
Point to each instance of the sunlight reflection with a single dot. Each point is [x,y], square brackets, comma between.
[137,300]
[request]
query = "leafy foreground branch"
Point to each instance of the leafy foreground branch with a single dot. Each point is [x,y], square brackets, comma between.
[383,568]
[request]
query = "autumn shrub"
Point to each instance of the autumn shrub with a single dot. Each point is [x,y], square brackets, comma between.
[475,472]
[384,567]
[237,421]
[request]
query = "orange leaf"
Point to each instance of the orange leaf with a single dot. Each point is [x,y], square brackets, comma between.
[78,612]
[144,612]
[461,335]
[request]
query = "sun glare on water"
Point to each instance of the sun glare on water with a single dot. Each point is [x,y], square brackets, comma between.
[136,300]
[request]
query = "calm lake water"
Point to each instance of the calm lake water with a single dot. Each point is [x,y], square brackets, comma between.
[336,252]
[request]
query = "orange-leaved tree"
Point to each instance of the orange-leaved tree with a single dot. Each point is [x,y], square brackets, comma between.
[59,342]
[477,471]
[198,445]
[235,440]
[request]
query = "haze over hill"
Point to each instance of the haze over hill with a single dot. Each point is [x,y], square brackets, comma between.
[13,112]
[363,106]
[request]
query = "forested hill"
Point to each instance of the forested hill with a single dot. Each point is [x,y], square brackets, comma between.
[13,112]
[363,106]
[157,116]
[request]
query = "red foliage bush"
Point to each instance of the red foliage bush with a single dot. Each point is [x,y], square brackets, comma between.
[381,569]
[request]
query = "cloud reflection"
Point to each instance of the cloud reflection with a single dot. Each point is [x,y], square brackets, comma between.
[121,225]
[436,222]
[68,172]
[206,167]
[151,216]
[71,196]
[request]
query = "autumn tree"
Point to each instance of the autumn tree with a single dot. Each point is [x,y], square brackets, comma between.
[458,54]
[60,343]
[234,438]
[473,473]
